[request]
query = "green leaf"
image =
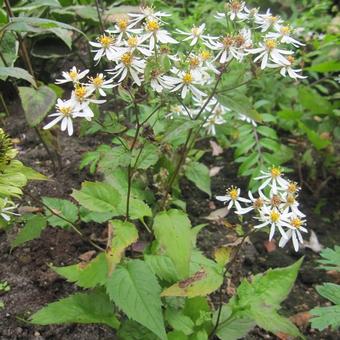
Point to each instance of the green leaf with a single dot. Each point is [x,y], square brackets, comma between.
[179,322]
[133,287]
[173,232]
[16,72]
[202,283]
[162,266]
[63,208]
[32,174]
[93,307]
[330,291]
[86,275]
[199,174]
[147,157]
[9,48]
[32,230]
[325,317]
[131,330]
[233,327]
[330,259]
[327,66]
[97,196]
[267,132]
[124,234]
[36,103]
[313,102]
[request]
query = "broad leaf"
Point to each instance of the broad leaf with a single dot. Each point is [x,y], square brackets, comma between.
[62,207]
[173,232]
[162,266]
[93,307]
[199,174]
[124,234]
[145,158]
[179,322]
[32,230]
[97,196]
[86,275]
[37,103]
[325,317]
[16,72]
[133,287]
[132,330]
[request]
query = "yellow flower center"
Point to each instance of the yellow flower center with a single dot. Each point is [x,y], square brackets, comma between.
[205,55]
[152,26]
[239,40]
[275,172]
[73,75]
[292,187]
[273,19]
[291,59]
[80,92]
[195,31]
[258,203]
[105,40]
[285,30]
[290,199]
[270,44]
[187,78]
[275,201]
[194,62]
[97,81]
[126,58]
[227,41]
[296,223]
[132,41]
[235,6]
[274,216]
[233,193]
[65,110]
[122,24]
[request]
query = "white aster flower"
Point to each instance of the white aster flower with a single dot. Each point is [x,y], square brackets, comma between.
[98,83]
[247,119]
[129,65]
[73,76]
[106,46]
[155,34]
[147,13]
[224,46]
[296,226]
[206,58]
[66,111]
[233,197]
[273,178]
[290,204]
[268,51]
[123,28]
[267,21]
[235,11]
[211,123]
[184,82]
[274,218]
[282,34]
[195,34]
[176,111]
[6,209]
[257,203]
[158,81]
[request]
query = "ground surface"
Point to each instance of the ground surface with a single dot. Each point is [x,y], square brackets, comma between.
[34,284]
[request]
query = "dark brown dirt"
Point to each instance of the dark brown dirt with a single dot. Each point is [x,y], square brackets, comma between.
[33,284]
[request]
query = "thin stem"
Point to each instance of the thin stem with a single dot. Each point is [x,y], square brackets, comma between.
[73,226]
[99,17]
[3,103]
[221,290]
[259,149]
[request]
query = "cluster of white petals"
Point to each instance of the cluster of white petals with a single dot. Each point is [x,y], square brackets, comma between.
[278,209]
[6,210]
[138,45]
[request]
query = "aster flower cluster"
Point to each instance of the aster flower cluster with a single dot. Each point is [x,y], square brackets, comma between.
[275,207]
[139,45]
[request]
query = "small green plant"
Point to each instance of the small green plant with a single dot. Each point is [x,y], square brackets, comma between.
[328,316]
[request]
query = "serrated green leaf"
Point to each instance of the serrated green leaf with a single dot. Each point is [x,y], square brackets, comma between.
[173,232]
[330,291]
[18,73]
[92,307]
[124,234]
[86,275]
[132,330]
[36,103]
[179,322]
[147,157]
[32,230]
[199,174]
[330,259]
[267,132]
[133,287]
[63,208]
[162,266]
[97,197]
[325,317]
